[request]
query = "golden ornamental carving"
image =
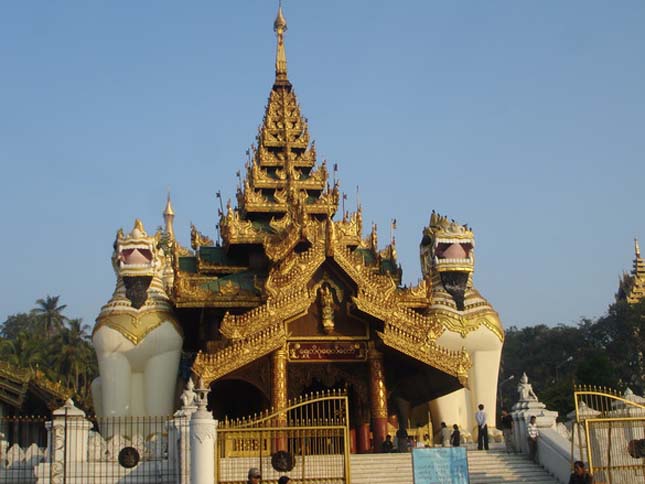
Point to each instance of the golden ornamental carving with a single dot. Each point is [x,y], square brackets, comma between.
[191,291]
[235,230]
[477,313]
[229,289]
[281,174]
[279,386]
[253,197]
[236,327]
[280,195]
[197,239]
[378,392]
[55,389]
[398,315]
[280,224]
[326,308]
[14,373]
[277,247]
[426,350]
[136,325]
[210,367]
[349,230]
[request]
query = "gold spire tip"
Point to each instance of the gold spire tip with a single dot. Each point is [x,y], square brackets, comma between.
[280,27]
[637,248]
[280,22]
[168,210]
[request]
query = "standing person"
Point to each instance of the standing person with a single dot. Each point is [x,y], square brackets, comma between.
[482,434]
[455,437]
[402,440]
[387,445]
[445,435]
[254,476]
[426,441]
[580,474]
[507,430]
[533,434]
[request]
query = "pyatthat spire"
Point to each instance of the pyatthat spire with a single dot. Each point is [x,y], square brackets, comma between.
[280,27]
[169,216]
[632,286]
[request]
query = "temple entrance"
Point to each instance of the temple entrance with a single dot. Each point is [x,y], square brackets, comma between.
[235,399]
[352,379]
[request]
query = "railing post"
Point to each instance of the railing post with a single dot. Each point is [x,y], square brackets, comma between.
[67,442]
[203,439]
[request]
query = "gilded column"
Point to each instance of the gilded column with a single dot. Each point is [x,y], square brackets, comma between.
[378,397]
[279,392]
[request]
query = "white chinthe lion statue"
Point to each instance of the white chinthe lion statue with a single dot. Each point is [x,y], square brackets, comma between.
[137,339]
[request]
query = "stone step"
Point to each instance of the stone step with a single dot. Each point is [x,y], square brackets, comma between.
[485,467]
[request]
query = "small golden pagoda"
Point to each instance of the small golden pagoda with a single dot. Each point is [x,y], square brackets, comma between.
[293,301]
[631,286]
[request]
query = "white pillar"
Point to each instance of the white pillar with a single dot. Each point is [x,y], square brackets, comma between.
[70,425]
[203,439]
[67,442]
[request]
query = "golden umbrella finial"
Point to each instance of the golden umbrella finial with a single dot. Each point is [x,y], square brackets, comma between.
[637,248]
[280,27]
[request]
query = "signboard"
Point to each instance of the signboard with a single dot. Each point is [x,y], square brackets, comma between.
[320,351]
[443,465]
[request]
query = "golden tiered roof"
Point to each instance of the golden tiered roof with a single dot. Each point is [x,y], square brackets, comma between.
[282,172]
[15,382]
[281,248]
[632,286]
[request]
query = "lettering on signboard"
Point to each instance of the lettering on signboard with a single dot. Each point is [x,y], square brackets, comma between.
[327,351]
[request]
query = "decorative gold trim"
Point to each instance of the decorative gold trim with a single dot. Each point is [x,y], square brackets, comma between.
[136,326]
[424,349]
[210,367]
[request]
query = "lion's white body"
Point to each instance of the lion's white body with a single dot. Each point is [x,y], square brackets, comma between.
[137,339]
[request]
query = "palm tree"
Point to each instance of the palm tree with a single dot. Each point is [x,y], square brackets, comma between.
[24,351]
[74,355]
[51,313]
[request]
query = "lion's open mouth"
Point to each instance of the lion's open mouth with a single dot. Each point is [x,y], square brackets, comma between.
[135,257]
[453,260]
[453,254]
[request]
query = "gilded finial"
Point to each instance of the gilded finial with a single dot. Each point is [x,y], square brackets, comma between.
[280,27]
[637,248]
[168,216]
[168,210]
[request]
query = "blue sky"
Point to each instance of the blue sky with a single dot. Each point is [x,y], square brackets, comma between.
[523,119]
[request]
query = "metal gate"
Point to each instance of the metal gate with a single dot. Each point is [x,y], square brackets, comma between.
[611,428]
[308,441]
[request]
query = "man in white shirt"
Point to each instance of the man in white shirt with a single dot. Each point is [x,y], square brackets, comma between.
[533,434]
[482,427]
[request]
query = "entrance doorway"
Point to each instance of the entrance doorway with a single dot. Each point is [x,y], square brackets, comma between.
[236,399]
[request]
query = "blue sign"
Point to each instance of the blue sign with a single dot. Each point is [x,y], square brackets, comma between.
[443,465]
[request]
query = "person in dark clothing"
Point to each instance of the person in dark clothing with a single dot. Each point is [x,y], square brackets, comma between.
[455,437]
[507,430]
[284,480]
[402,440]
[387,444]
[580,474]
[254,476]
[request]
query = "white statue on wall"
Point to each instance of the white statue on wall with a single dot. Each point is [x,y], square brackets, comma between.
[525,390]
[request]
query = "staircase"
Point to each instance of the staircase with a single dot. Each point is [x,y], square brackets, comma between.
[486,467]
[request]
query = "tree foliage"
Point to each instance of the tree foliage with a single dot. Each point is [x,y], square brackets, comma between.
[604,352]
[46,339]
